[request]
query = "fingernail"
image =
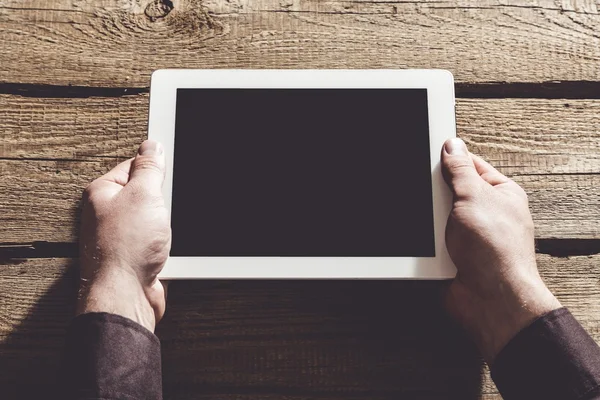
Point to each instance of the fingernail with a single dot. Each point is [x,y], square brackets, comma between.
[456,147]
[150,148]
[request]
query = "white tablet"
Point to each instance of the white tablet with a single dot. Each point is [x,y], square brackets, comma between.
[305,173]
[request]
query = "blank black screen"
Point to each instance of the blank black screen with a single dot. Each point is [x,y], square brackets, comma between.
[302,172]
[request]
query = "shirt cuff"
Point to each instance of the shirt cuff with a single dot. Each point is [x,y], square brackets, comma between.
[553,358]
[111,357]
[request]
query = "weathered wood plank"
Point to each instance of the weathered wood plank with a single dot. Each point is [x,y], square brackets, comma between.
[520,136]
[119,42]
[72,128]
[40,201]
[281,339]
[52,148]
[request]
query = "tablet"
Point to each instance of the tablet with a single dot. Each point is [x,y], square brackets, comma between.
[305,173]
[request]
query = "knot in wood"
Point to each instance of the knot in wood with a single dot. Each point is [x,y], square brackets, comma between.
[158,9]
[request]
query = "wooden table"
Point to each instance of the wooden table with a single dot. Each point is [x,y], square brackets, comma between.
[74,77]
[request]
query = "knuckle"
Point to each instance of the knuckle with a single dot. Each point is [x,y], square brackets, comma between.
[521,192]
[158,247]
[89,193]
[465,189]
[518,190]
[458,164]
[147,164]
[461,211]
[89,189]
[514,183]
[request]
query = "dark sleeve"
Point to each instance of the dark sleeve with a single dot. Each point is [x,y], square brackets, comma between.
[553,358]
[111,357]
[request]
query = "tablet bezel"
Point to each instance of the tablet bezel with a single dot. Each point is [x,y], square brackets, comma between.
[442,126]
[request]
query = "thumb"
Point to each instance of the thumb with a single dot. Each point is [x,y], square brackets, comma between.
[458,168]
[148,168]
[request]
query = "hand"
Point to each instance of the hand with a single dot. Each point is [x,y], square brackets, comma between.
[125,240]
[490,237]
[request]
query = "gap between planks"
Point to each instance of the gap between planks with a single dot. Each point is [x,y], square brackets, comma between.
[491,90]
[12,252]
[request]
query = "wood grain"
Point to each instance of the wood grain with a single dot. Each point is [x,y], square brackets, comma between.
[296,339]
[119,42]
[519,136]
[52,148]
[281,339]
[72,128]
[40,201]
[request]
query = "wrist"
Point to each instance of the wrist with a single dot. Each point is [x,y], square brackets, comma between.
[116,291]
[518,310]
[493,321]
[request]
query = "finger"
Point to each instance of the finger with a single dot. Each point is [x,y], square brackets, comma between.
[119,174]
[159,296]
[165,288]
[458,168]
[148,168]
[489,174]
